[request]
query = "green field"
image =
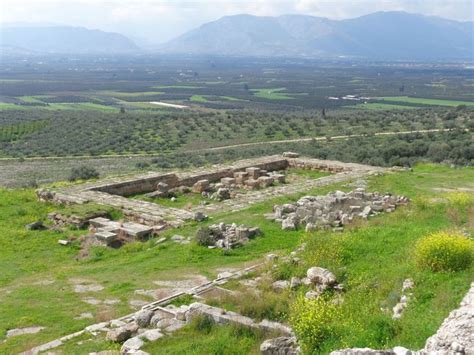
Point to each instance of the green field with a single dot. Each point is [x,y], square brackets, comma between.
[271,94]
[198,98]
[431,102]
[380,106]
[371,259]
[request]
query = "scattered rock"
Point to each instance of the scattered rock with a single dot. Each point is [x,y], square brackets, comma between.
[143,318]
[87,315]
[334,210]
[226,236]
[199,216]
[131,345]
[280,346]
[321,276]
[295,282]
[281,285]
[22,331]
[121,334]
[35,226]
[151,335]
[88,288]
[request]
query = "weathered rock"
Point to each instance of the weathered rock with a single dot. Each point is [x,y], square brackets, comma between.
[132,345]
[151,334]
[280,346]
[201,186]
[288,224]
[143,318]
[281,285]
[456,334]
[292,155]
[122,333]
[321,276]
[222,194]
[218,315]
[295,282]
[272,327]
[22,331]
[35,226]
[199,216]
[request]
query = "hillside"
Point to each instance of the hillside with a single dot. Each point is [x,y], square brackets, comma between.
[394,35]
[63,39]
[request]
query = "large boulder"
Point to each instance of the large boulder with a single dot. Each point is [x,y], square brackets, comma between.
[143,317]
[280,346]
[132,345]
[121,334]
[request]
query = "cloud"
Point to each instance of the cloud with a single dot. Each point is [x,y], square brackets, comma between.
[160,20]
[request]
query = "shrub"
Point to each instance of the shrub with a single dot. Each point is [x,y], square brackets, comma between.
[444,251]
[313,321]
[83,173]
[460,199]
[204,237]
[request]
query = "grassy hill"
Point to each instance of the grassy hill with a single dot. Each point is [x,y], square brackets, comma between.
[39,276]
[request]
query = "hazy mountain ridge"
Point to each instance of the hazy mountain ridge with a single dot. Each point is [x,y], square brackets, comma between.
[65,39]
[378,35]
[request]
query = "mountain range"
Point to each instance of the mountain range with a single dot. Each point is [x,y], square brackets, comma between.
[381,35]
[390,35]
[64,40]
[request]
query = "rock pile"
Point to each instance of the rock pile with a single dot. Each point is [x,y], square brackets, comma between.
[226,236]
[280,346]
[150,325]
[399,308]
[334,210]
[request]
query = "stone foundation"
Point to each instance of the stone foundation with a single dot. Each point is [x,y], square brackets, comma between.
[113,192]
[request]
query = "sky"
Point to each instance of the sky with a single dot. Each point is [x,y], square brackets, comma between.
[156,21]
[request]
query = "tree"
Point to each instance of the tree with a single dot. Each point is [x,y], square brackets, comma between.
[83,173]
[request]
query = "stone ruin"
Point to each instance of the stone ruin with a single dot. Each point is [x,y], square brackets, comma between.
[245,174]
[226,236]
[225,188]
[334,210]
[115,234]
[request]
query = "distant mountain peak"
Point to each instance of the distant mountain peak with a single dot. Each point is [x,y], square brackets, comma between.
[380,35]
[65,40]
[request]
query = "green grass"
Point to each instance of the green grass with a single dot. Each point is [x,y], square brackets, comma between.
[230,98]
[176,87]
[198,98]
[131,94]
[182,200]
[423,101]
[373,261]
[271,94]
[80,106]
[307,174]
[380,106]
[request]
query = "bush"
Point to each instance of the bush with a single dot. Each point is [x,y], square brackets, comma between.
[313,321]
[444,251]
[83,173]
[460,199]
[204,237]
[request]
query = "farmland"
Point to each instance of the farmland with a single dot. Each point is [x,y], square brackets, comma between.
[158,110]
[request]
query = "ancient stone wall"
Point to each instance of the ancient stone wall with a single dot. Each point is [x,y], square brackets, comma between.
[138,186]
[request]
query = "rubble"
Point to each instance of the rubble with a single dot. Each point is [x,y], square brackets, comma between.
[334,210]
[226,236]
[280,346]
